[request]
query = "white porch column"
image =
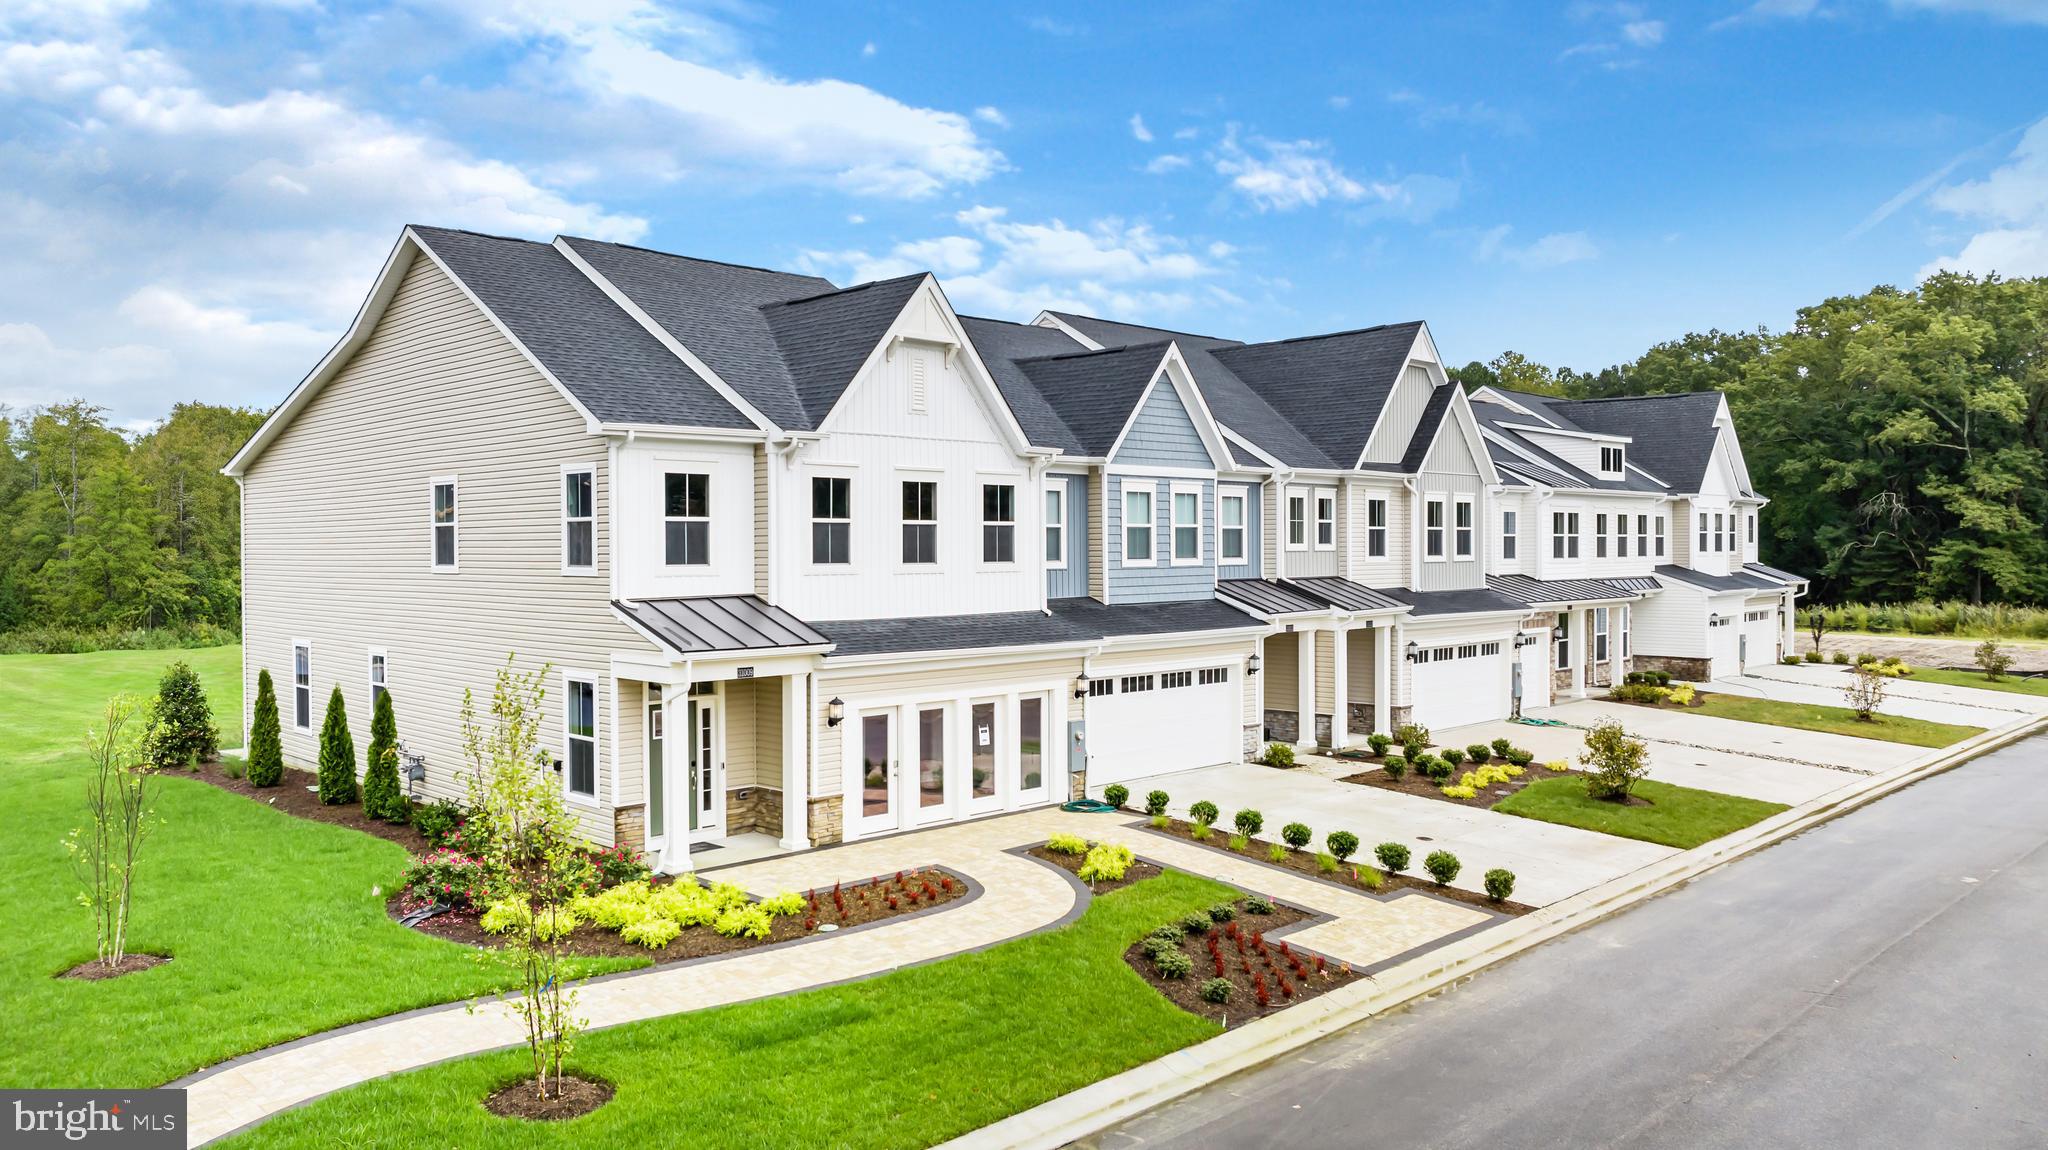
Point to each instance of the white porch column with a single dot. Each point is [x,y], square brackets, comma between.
[1791,639]
[1340,687]
[796,762]
[1582,650]
[1614,646]
[1382,679]
[675,780]
[1305,687]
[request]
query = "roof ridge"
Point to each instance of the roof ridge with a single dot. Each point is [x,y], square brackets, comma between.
[1086,352]
[478,234]
[702,259]
[1652,395]
[1334,334]
[848,290]
[1145,326]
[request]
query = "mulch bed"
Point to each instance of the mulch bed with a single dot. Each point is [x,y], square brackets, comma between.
[1305,862]
[92,970]
[578,1096]
[1136,872]
[296,795]
[1411,783]
[1250,963]
[865,901]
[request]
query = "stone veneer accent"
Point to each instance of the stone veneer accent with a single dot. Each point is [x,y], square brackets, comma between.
[1252,745]
[756,809]
[1282,726]
[1359,716]
[629,827]
[1694,670]
[828,821]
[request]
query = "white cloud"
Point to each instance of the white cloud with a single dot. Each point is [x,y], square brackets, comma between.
[1643,33]
[1430,113]
[2009,207]
[1764,11]
[1283,175]
[1552,250]
[868,49]
[35,370]
[1340,102]
[1186,133]
[989,114]
[1138,129]
[1167,162]
[2014,11]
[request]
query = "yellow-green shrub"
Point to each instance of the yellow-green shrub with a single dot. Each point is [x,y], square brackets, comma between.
[685,905]
[504,915]
[1067,844]
[1460,792]
[784,903]
[728,895]
[1681,694]
[751,921]
[652,931]
[1106,862]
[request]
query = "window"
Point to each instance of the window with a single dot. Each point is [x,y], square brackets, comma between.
[1187,526]
[380,669]
[1703,533]
[1230,528]
[920,521]
[1489,648]
[1720,538]
[581,719]
[302,686]
[1100,687]
[1571,535]
[831,520]
[1660,537]
[931,757]
[1326,520]
[1134,683]
[1749,524]
[1031,746]
[982,762]
[1297,522]
[1621,536]
[1600,537]
[579,527]
[1209,675]
[1557,535]
[1433,529]
[1461,529]
[998,523]
[1138,527]
[1564,642]
[1610,459]
[686,519]
[1172,679]
[444,525]
[1624,629]
[1599,634]
[1376,527]
[1056,524]
[1510,530]
[1643,536]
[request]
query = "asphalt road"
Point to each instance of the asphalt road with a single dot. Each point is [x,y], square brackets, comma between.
[1881,981]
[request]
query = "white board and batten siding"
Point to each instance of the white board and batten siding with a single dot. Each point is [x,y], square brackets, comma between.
[1672,622]
[731,492]
[337,541]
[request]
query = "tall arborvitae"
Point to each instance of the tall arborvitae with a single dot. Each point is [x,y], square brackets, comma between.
[266,749]
[337,754]
[382,796]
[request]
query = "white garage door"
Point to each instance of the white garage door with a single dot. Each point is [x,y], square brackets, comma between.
[1722,641]
[1461,683]
[1761,648]
[1164,721]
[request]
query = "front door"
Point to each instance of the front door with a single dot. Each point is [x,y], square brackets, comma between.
[707,765]
[876,745]
[1034,760]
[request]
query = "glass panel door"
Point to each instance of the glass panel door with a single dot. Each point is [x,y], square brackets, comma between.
[707,789]
[1031,748]
[931,757]
[878,772]
[984,735]
[657,774]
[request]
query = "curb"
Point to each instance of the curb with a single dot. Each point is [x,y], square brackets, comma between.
[1102,1104]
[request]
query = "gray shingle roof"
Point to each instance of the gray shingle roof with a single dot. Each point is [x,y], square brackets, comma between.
[1001,344]
[608,362]
[1550,468]
[1426,429]
[1739,581]
[1095,392]
[1673,435]
[1068,621]
[1330,387]
[1525,589]
[1475,600]
[824,339]
[707,623]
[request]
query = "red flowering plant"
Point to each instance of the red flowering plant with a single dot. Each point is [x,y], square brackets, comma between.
[446,876]
[616,865]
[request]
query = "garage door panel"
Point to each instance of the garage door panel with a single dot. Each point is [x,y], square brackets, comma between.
[1458,691]
[1133,734]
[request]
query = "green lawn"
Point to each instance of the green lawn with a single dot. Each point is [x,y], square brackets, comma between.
[905,1060]
[271,921]
[1679,817]
[2010,684]
[1832,720]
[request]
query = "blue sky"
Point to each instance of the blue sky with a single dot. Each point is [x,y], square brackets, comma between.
[194,200]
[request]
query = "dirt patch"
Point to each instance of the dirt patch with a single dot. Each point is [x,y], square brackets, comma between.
[1349,873]
[1411,783]
[296,794]
[95,971]
[869,900]
[1265,975]
[1138,871]
[577,1097]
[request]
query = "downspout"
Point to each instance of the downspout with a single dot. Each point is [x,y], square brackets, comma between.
[1415,513]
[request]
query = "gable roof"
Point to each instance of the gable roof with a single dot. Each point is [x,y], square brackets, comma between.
[1532,460]
[1002,345]
[1330,387]
[1671,437]
[824,339]
[1425,431]
[1095,392]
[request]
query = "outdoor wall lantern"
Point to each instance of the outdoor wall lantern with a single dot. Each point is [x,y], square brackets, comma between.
[1081,685]
[1252,665]
[835,712]
[1412,649]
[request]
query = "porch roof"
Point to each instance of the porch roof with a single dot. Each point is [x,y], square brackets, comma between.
[1533,591]
[707,624]
[1465,601]
[1737,581]
[1310,596]
[1064,622]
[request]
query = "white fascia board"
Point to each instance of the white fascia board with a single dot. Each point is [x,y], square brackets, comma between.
[662,336]
[1468,424]
[1490,394]
[1047,319]
[1264,457]
[632,431]
[1595,436]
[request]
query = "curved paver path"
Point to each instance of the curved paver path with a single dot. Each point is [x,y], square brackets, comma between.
[1019,895]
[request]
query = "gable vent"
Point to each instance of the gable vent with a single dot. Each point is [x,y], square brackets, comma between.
[919,388]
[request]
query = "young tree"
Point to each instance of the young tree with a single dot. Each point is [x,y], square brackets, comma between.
[104,853]
[531,856]
[1993,658]
[1816,625]
[382,796]
[1865,691]
[181,723]
[1614,760]
[266,749]
[337,754]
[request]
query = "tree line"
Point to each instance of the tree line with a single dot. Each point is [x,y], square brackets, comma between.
[1899,435]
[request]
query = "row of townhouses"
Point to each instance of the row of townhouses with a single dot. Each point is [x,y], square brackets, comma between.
[824,563]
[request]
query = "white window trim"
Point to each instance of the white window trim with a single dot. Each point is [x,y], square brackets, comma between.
[1471,550]
[370,658]
[1600,535]
[811,564]
[1123,526]
[1316,518]
[1173,525]
[666,468]
[1510,540]
[1443,529]
[1243,528]
[1287,499]
[455,528]
[988,480]
[561,488]
[1379,532]
[935,477]
[294,687]
[596,738]
[1057,487]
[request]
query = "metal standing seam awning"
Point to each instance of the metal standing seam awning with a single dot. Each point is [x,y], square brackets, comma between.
[1317,595]
[715,624]
[1570,592]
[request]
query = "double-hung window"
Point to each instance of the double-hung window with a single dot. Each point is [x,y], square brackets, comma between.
[1510,534]
[1461,529]
[1433,529]
[1376,528]
[302,686]
[1621,536]
[1564,641]
[1703,533]
[920,521]
[1297,521]
[1138,527]
[580,730]
[1660,537]
[1230,527]
[1186,510]
[998,523]
[1720,536]
[1749,526]
[444,524]
[380,672]
[1056,523]
[686,519]
[831,519]
[1600,536]
[1599,634]
[1557,535]
[1326,520]
[1643,536]
[579,523]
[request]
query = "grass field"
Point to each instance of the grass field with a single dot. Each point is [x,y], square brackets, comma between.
[1677,817]
[272,922]
[2009,684]
[1831,720]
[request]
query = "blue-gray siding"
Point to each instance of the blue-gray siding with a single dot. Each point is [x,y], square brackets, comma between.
[1163,434]
[1249,569]
[1072,580]
[1162,582]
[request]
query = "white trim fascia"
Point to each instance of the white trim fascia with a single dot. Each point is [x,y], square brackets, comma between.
[1646,475]
[1490,436]
[1048,319]
[1230,436]
[1490,394]
[1474,442]
[663,337]
[1563,433]
[680,431]
[1430,362]
[1173,368]
[1142,471]
[974,654]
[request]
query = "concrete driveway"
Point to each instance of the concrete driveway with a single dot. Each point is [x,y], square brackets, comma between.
[1762,740]
[1914,698]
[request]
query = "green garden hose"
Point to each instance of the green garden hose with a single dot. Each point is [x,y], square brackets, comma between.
[1088,807]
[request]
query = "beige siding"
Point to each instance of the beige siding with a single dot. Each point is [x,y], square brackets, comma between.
[632,743]
[1098,524]
[1326,671]
[1282,672]
[1358,673]
[337,546]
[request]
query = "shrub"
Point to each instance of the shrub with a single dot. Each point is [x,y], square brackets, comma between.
[1558,765]
[1368,878]
[1174,964]
[1155,802]
[1614,760]
[743,921]
[1204,813]
[266,747]
[1502,748]
[1479,752]
[1519,757]
[1813,656]
[1257,904]
[435,821]
[1249,822]
[1393,857]
[1682,694]
[1277,852]
[448,877]
[1500,883]
[620,864]
[1443,866]
[1412,735]
[1200,832]
[1661,678]
[1451,756]
[1343,844]
[1067,844]
[1106,862]
[1239,842]
[504,915]
[652,932]
[1326,862]
[1195,922]
[1992,657]
[181,726]
[1278,755]
[1115,795]
[1459,791]
[337,753]
[1864,658]
[1296,835]
[783,904]
[1865,692]
[1437,769]
[381,797]
[1395,766]
[1639,693]
[1216,990]
[1839,658]
[1162,820]
[1155,945]
[1222,912]
[1794,660]
[1379,743]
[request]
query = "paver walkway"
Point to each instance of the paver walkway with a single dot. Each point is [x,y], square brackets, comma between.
[1019,895]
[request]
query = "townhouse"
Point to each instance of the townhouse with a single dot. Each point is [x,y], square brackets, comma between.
[808,564]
